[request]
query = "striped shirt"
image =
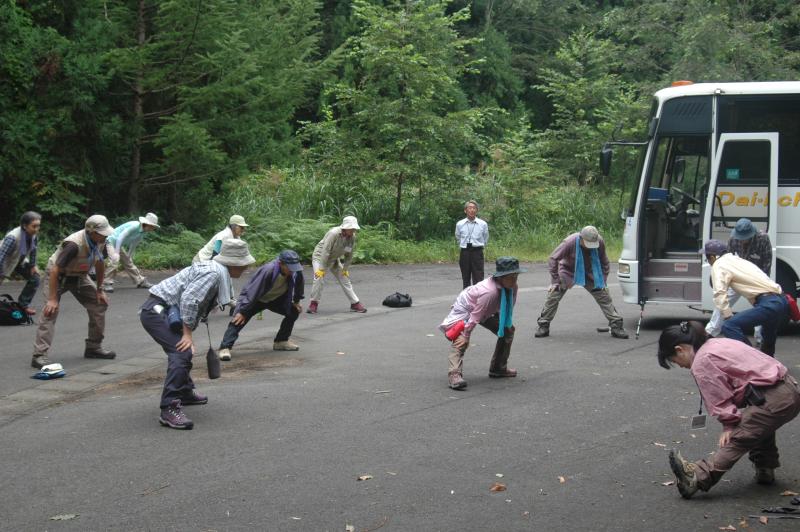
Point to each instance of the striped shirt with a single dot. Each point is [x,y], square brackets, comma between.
[194,288]
[757,250]
[7,248]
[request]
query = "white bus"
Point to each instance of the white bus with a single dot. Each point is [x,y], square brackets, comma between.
[715,152]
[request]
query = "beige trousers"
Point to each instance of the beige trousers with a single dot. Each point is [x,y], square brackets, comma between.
[85,291]
[127,265]
[344,282]
[755,434]
[601,296]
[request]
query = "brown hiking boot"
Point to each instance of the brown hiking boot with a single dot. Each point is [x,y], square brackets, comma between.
[503,373]
[684,474]
[455,381]
[765,476]
[542,331]
[37,361]
[285,346]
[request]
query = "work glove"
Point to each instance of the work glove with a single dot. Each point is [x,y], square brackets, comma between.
[318,274]
[346,273]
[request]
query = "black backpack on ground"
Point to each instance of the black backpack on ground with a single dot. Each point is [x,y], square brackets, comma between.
[397,300]
[11,312]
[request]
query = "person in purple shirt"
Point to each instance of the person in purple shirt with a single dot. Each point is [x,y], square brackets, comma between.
[750,393]
[489,303]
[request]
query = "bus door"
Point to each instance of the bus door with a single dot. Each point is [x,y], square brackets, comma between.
[744,184]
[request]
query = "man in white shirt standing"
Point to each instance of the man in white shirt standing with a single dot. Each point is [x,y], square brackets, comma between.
[472,235]
[770,307]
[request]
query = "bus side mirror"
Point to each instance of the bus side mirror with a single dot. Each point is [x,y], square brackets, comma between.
[605,159]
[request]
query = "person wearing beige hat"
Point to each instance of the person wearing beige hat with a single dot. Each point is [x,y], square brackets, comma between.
[68,271]
[121,247]
[235,229]
[172,312]
[580,260]
[334,254]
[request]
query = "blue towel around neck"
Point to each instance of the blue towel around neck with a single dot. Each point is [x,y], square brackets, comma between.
[506,311]
[580,269]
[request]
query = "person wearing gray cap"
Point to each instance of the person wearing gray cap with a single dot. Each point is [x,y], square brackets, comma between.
[333,254]
[770,307]
[276,286]
[235,229]
[489,303]
[68,271]
[173,310]
[750,244]
[580,260]
[121,247]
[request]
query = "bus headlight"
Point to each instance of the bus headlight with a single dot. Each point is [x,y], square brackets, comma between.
[624,269]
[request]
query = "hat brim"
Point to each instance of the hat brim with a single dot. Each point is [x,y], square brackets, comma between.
[350,226]
[294,267]
[108,231]
[235,261]
[144,221]
[590,245]
[736,235]
[515,270]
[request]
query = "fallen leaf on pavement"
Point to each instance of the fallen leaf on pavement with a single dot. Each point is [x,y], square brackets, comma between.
[763,519]
[297,518]
[63,517]
[729,527]
[365,477]
[658,444]
[743,523]
[383,391]
[670,483]
[339,353]
[391,473]
[429,335]
[789,493]
[349,528]
[497,486]
[562,479]
[498,475]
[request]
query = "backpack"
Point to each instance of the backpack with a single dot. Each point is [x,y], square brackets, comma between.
[397,300]
[11,312]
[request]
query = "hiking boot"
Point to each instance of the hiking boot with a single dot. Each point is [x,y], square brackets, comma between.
[542,331]
[37,361]
[145,284]
[312,307]
[619,332]
[456,382]
[173,417]
[225,354]
[285,346]
[195,399]
[99,352]
[502,373]
[358,307]
[765,475]
[684,474]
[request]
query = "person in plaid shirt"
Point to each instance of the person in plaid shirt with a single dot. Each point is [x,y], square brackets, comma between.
[754,246]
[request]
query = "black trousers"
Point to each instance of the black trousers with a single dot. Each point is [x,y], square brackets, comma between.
[471,263]
[178,383]
[277,306]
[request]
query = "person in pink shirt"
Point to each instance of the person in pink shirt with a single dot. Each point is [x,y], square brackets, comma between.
[489,303]
[750,393]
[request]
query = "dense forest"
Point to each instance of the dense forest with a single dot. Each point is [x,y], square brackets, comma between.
[397,111]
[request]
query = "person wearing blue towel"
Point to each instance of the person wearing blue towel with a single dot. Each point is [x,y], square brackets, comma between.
[580,260]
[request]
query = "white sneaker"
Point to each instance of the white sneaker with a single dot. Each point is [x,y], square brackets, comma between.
[225,354]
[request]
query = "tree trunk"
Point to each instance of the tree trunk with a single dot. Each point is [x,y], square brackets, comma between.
[397,198]
[138,120]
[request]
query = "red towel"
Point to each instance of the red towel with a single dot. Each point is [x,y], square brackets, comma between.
[794,312]
[455,330]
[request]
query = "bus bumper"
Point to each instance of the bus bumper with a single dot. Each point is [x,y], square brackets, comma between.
[628,276]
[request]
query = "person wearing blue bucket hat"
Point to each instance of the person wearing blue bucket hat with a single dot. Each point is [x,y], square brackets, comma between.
[489,303]
[751,244]
[770,307]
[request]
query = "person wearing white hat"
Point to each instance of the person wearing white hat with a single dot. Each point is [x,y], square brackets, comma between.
[121,247]
[580,260]
[235,229]
[175,307]
[68,271]
[334,254]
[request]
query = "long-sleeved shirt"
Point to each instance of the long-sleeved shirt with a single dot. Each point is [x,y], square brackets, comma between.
[12,248]
[757,250]
[194,288]
[475,304]
[127,235]
[475,232]
[723,368]
[744,277]
[214,245]
[332,248]
[562,262]
[262,281]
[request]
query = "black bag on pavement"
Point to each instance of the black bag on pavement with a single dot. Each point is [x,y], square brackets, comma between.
[397,300]
[11,312]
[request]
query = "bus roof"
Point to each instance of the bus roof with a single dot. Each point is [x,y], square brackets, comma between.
[758,87]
